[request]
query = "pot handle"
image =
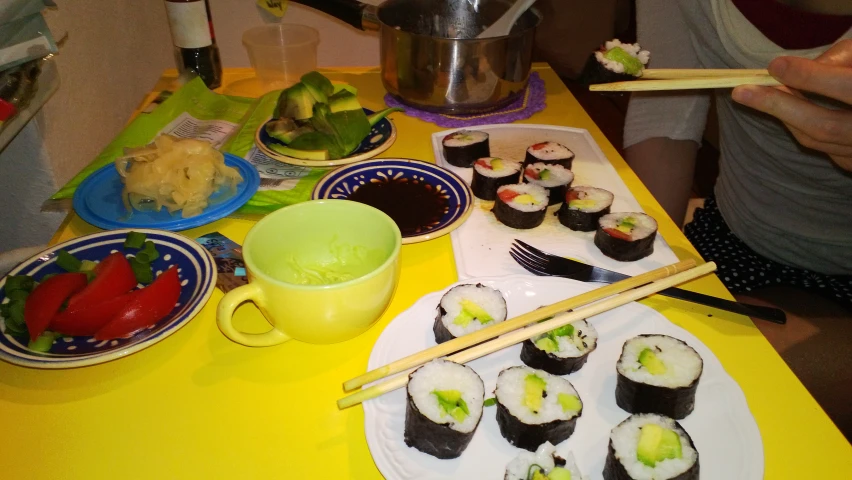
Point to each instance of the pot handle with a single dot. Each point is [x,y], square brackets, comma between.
[360,15]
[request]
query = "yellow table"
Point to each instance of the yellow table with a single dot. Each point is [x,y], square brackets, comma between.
[197,405]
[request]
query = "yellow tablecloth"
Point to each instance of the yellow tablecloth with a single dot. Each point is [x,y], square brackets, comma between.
[197,405]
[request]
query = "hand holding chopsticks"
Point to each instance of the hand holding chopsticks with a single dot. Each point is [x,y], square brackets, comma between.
[688,79]
[620,293]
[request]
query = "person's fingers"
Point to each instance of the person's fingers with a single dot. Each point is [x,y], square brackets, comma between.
[821,124]
[830,148]
[832,81]
[840,54]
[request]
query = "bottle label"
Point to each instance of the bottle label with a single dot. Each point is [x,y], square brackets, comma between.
[188,22]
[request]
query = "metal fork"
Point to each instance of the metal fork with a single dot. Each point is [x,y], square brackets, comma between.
[546,264]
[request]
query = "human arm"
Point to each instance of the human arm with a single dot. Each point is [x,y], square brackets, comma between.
[814,126]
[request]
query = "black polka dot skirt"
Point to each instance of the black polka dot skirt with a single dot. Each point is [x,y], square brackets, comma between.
[741,269]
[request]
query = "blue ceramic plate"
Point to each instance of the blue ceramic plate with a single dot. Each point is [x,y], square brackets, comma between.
[340,183]
[381,138]
[198,279]
[98,201]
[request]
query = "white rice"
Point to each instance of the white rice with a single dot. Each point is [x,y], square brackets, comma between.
[463,138]
[519,467]
[441,375]
[509,167]
[683,364]
[625,438]
[645,225]
[559,175]
[601,198]
[486,297]
[550,151]
[632,48]
[510,394]
[573,346]
[538,193]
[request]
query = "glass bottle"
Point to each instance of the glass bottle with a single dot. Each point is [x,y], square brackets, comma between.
[194,41]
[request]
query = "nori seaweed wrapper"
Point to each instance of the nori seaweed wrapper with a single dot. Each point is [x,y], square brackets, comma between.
[529,159]
[530,437]
[486,187]
[580,221]
[438,440]
[614,470]
[467,155]
[442,334]
[623,250]
[537,358]
[516,218]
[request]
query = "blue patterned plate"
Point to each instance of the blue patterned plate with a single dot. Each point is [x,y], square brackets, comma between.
[381,138]
[198,279]
[342,182]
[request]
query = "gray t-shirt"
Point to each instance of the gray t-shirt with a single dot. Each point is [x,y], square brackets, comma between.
[786,202]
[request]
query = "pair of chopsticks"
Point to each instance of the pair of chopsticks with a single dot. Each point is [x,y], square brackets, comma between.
[513,332]
[689,79]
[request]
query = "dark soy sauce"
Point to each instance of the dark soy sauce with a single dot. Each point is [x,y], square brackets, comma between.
[414,205]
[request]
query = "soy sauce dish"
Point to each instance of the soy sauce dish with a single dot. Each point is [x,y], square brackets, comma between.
[425,200]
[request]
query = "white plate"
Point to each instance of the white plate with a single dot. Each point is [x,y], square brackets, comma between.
[722,427]
[481,245]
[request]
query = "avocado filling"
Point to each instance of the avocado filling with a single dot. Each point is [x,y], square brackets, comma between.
[657,444]
[569,403]
[550,342]
[471,311]
[581,204]
[533,392]
[626,225]
[632,65]
[497,164]
[452,404]
[651,362]
[525,199]
[558,473]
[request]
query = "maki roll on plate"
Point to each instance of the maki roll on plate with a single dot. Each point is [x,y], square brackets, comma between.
[561,351]
[553,177]
[550,153]
[615,62]
[491,173]
[464,147]
[583,207]
[534,407]
[626,236]
[544,464]
[658,374]
[521,206]
[467,308]
[650,447]
[443,409]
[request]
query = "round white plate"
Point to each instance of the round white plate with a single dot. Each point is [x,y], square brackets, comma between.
[722,427]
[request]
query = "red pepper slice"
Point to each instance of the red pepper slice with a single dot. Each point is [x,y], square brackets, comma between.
[614,232]
[539,146]
[507,195]
[147,307]
[572,195]
[113,277]
[530,172]
[47,298]
[483,164]
[88,319]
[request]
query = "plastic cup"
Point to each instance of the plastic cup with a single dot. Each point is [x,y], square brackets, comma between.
[281,53]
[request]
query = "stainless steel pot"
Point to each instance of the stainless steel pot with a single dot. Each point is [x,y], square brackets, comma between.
[430,58]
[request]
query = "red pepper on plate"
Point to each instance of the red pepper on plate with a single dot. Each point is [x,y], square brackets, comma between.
[539,146]
[507,195]
[147,307]
[47,298]
[572,195]
[88,319]
[530,172]
[618,234]
[113,276]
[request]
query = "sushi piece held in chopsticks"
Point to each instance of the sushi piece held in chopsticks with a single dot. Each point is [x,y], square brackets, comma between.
[534,407]
[649,446]
[467,308]
[583,207]
[521,206]
[626,236]
[658,374]
[550,153]
[464,147]
[544,464]
[443,409]
[491,173]
[615,62]
[553,177]
[561,351]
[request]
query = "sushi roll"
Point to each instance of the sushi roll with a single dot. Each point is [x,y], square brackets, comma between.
[521,206]
[549,152]
[626,236]
[443,409]
[553,177]
[534,407]
[464,147]
[561,351]
[615,62]
[657,374]
[467,308]
[544,464]
[583,207]
[491,173]
[648,446]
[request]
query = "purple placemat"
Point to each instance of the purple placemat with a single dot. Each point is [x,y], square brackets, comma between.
[532,101]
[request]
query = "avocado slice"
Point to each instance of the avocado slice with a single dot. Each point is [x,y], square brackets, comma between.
[452,404]
[342,101]
[632,65]
[525,199]
[296,103]
[318,86]
[463,319]
[581,204]
[670,446]
[286,130]
[547,344]
[569,403]
[478,312]
[657,444]
[344,87]
[651,362]
[545,174]
[564,331]
[376,117]
[626,225]
[559,473]
[539,475]
[533,392]
[303,154]
[497,164]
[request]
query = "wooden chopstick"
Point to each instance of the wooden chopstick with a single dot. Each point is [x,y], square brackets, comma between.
[671,73]
[498,329]
[522,334]
[684,84]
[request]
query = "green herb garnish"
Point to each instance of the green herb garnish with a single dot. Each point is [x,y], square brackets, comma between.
[489,402]
[135,240]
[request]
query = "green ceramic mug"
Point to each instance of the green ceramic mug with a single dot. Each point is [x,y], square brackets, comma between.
[320,272]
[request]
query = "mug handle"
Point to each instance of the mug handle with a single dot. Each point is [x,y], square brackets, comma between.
[225,315]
